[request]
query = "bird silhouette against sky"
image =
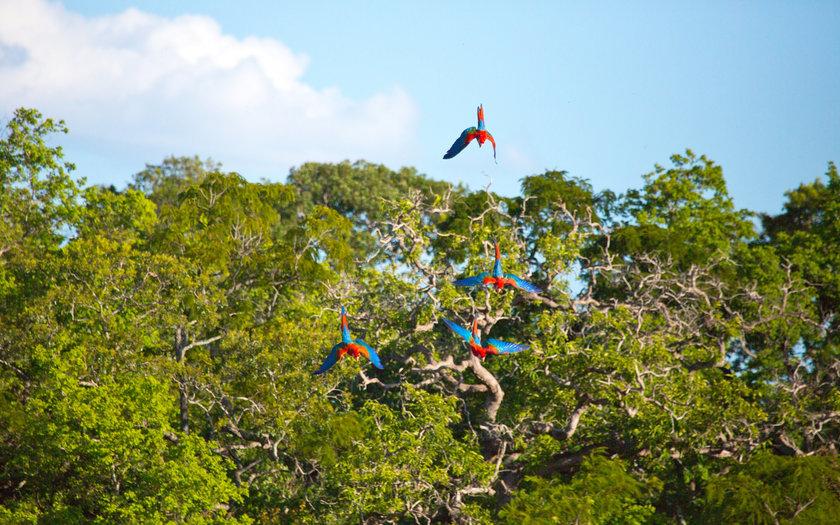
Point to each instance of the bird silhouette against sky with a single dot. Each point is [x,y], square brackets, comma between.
[498,278]
[480,134]
[473,339]
[348,346]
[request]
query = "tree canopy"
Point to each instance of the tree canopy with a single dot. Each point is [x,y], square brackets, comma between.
[157,345]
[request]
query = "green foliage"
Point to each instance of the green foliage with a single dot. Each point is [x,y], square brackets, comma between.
[360,191]
[601,492]
[772,489]
[157,344]
[37,202]
[424,458]
[163,182]
[107,451]
[808,234]
[684,212]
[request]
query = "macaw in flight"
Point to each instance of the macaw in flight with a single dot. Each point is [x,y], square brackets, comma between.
[466,137]
[493,346]
[498,278]
[348,346]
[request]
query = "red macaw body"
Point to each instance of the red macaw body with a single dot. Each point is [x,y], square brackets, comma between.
[498,279]
[349,347]
[473,340]
[481,352]
[498,283]
[479,134]
[353,350]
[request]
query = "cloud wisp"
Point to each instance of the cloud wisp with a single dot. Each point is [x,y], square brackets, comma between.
[180,85]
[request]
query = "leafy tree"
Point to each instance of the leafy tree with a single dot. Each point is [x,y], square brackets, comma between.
[683,212]
[107,451]
[777,489]
[602,491]
[37,202]
[163,182]
[360,191]
[157,343]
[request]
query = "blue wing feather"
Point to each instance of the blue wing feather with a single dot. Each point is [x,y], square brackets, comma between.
[506,348]
[475,280]
[331,359]
[465,334]
[522,284]
[372,355]
[460,143]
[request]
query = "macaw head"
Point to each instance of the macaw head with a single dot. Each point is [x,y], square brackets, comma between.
[480,112]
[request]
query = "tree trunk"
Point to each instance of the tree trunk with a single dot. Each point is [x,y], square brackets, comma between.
[494,400]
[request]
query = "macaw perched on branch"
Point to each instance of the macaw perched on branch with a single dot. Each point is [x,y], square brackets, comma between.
[348,346]
[479,133]
[493,346]
[498,278]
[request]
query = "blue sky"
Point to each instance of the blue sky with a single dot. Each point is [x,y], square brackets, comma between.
[604,91]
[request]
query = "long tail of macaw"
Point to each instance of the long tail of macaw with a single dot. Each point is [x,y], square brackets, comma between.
[345,327]
[497,267]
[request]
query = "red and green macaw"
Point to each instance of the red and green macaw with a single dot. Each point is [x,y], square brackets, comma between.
[479,133]
[473,339]
[348,346]
[498,279]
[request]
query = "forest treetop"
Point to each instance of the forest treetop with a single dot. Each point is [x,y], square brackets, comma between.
[157,344]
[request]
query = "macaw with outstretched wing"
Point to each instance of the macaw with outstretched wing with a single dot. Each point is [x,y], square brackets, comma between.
[473,339]
[349,346]
[479,133]
[498,278]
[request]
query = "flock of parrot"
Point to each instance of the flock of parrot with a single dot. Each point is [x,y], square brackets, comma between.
[495,279]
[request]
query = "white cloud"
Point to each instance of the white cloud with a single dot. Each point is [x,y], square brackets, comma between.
[155,85]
